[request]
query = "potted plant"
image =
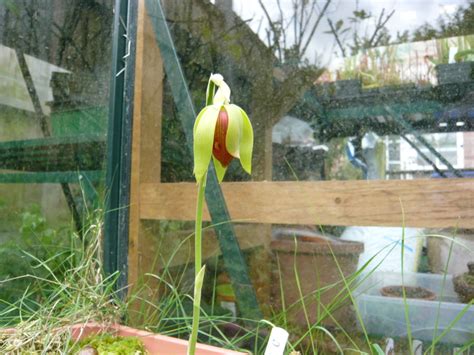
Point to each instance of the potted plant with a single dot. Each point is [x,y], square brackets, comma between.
[453,73]
[311,273]
[408,292]
[464,284]
[81,337]
[459,72]
[69,298]
[347,88]
[153,343]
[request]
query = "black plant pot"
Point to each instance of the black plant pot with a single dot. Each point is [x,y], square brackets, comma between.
[347,88]
[455,72]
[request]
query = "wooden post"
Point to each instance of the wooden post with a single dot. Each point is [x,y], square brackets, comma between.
[146,142]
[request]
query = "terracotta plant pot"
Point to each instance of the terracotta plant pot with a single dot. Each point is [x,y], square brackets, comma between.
[410,292]
[314,260]
[155,344]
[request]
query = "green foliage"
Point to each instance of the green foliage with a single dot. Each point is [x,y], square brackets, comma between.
[13,264]
[110,344]
[7,214]
[374,67]
[467,54]
[18,256]
[459,24]
[376,349]
[11,5]
[34,229]
[65,287]
[78,292]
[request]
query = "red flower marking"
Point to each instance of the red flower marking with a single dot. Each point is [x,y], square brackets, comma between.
[219,149]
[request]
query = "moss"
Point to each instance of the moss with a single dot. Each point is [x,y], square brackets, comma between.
[107,344]
[469,279]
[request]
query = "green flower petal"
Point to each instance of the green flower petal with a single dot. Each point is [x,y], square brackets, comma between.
[203,140]
[234,130]
[220,170]
[222,95]
[211,88]
[198,118]
[246,143]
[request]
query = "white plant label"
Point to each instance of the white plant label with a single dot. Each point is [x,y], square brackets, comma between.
[277,342]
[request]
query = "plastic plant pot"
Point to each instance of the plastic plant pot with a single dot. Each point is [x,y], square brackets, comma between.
[410,292]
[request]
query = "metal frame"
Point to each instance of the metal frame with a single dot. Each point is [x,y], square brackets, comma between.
[119,142]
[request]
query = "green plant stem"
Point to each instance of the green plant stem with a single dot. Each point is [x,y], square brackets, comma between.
[198,226]
[198,273]
[445,274]
[404,295]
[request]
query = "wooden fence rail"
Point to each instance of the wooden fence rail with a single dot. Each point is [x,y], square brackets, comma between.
[437,203]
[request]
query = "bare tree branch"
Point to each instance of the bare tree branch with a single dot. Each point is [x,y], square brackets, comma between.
[283,28]
[303,22]
[380,24]
[308,19]
[315,26]
[301,29]
[276,43]
[336,36]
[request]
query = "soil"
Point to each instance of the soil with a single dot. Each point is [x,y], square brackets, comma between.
[410,292]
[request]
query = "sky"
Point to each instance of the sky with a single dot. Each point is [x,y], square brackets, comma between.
[409,15]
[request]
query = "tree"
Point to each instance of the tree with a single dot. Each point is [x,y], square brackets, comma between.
[305,18]
[358,24]
[461,23]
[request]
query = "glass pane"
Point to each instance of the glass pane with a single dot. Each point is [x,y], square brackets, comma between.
[348,102]
[55,61]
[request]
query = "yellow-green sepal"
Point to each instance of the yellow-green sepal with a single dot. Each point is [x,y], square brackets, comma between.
[198,118]
[246,143]
[234,130]
[220,170]
[204,128]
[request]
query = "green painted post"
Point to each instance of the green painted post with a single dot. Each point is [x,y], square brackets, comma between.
[119,142]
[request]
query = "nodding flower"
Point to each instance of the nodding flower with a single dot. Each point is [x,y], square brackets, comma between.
[222,131]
